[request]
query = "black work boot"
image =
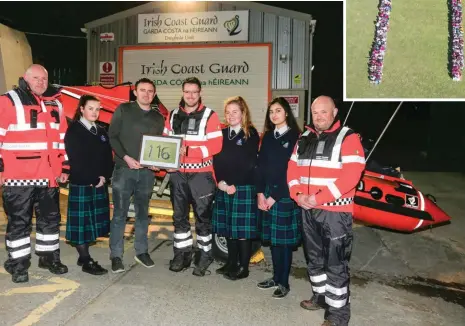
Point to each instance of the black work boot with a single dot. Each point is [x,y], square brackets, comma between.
[18,270]
[20,277]
[205,260]
[231,263]
[53,265]
[9,267]
[181,261]
[315,303]
[245,250]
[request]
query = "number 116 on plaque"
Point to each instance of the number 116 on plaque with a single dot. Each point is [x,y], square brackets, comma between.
[160,151]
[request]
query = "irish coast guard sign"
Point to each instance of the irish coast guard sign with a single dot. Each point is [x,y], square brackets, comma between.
[210,26]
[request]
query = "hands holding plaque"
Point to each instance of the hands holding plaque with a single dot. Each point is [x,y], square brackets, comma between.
[134,164]
[182,152]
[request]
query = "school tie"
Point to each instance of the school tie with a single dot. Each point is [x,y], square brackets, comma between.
[93,130]
[233,133]
[277,134]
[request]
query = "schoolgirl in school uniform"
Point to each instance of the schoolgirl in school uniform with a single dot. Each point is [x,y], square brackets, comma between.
[279,215]
[91,165]
[235,207]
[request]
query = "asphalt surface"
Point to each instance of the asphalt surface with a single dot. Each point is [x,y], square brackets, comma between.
[397,279]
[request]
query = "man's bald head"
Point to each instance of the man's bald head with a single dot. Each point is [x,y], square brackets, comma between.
[324,100]
[323,113]
[36,76]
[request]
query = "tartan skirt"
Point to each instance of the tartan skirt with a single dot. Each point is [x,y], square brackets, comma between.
[235,216]
[88,214]
[282,224]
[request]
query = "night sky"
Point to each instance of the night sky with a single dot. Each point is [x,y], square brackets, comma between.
[68,17]
[411,134]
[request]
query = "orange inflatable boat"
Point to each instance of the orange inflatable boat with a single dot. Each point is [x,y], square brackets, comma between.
[394,203]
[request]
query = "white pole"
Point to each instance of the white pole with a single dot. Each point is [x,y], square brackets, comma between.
[348,114]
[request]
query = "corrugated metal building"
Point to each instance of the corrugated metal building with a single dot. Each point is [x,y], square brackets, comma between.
[289,32]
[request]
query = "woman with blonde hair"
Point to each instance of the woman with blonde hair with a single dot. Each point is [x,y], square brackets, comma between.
[235,208]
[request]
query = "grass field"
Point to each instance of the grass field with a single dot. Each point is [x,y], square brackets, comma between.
[416,60]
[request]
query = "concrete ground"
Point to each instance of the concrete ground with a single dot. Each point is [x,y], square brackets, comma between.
[397,279]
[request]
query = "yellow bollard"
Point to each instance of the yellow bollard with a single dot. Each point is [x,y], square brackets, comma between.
[258,257]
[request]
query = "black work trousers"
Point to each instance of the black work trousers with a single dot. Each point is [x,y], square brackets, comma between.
[197,189]
[327,240]
[19,203]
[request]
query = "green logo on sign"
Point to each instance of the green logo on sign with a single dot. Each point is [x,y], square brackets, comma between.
[232,25]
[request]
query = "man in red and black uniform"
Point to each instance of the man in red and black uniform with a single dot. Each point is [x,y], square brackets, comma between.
[32,161]
[193,183]
[323,172]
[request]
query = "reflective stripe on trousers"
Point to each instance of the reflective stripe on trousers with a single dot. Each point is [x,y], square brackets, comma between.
[327,238]
[19,204]
[197,189]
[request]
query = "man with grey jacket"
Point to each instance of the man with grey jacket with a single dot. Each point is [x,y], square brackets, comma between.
[128,123]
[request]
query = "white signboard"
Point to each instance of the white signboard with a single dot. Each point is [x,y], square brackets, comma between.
[209,26]
[294,103]
[225,70]
[107,37]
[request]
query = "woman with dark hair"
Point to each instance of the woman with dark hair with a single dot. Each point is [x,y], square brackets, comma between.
[235,208]
[279,215]
[282,105]
[91,164]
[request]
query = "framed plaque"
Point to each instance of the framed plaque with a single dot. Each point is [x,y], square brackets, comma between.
[160,151]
